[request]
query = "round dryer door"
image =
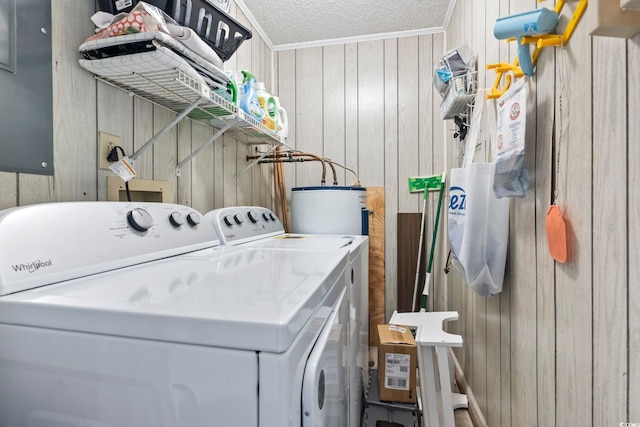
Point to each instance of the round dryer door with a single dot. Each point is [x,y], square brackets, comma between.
[324,397]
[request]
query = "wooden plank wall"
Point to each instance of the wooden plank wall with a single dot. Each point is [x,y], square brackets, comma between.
[561,344]
[82,107]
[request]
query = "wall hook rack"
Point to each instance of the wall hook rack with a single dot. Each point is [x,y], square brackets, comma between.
[541,41]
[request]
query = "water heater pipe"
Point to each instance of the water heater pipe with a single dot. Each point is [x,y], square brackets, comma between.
[291,154]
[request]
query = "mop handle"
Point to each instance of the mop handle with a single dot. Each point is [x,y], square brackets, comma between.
[415,285]
[425,292]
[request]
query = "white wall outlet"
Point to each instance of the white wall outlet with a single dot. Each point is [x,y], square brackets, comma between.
[106,142]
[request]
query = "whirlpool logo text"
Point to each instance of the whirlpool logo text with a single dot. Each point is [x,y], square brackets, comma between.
[457,200]
[32,267]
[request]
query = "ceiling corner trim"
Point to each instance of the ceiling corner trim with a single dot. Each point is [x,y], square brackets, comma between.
[356,39]
[256,26]
[447,18]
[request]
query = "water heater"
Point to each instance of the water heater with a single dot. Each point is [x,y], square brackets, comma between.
[329,210]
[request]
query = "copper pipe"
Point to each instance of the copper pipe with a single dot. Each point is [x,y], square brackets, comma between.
[293,160]
[289,154]
[297,154]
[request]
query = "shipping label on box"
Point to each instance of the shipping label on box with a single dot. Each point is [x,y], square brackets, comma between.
[397,359]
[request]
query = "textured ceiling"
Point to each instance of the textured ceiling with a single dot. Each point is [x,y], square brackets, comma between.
[288,24]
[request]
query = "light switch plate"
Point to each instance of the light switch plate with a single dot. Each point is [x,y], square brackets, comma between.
[106,142]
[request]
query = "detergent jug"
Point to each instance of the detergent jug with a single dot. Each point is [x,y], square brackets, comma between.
[228,92]
[283,122]
[268,105]
[249,102]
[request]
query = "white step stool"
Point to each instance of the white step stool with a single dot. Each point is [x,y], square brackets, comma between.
[433,364]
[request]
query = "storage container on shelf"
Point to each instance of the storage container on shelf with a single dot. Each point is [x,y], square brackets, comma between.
[210,20]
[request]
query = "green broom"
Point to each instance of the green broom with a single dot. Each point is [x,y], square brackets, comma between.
[424,184]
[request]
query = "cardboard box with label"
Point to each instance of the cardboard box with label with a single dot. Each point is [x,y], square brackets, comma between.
[397,363]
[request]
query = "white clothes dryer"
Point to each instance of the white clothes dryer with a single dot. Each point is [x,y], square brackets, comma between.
[131,315]
[258,227]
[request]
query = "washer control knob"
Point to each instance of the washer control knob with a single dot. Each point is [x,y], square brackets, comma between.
[272,216]
[238,219]
[193,219]
[176,219]
[252,217]
[139,219]
[227,220]
[266,216]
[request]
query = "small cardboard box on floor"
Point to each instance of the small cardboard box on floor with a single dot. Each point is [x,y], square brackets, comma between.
[397,363]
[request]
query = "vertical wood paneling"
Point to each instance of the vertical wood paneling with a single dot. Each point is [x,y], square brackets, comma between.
[495,365]
[351,107]
[427,143]
[258,70]
[142,132]
[505,296]
[225,149]
[218,173]
[309,118]
[610,286]
[287,91]
[9,193]
[34,189]
[434,44]
[225,167]
[408,124]
[115,116]
[74,146]
[458,287]
[202,191]
[244,183]
[522,256]
[229,160]
[466,294]
[633,58]
[478,375]
[371,113]
[391,155]
[573,280]
[333,105]
[541,151]
[165,151]
[185,182]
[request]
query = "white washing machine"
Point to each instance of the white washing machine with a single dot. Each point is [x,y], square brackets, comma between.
[258,227]
[129,314]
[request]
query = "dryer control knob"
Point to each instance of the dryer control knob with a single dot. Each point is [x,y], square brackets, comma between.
[176,219]
[227,220]
[252,217]
[273,217]
[193,219]
[238,219]
[140,219]
[265,216]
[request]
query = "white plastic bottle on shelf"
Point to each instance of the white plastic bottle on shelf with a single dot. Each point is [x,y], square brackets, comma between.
[268,105]
[283,121]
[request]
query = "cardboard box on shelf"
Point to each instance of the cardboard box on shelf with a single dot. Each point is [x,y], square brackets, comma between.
[397,364]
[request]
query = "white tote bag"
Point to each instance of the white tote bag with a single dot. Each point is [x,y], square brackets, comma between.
[478,220]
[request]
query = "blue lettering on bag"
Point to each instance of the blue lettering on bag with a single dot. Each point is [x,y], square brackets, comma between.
[458,199]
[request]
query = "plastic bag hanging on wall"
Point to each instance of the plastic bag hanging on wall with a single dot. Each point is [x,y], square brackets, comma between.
[511,178]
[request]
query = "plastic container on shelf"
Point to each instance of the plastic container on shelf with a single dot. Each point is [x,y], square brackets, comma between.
[283,121]
[209,20]
[249,102]
[269,107]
